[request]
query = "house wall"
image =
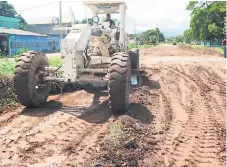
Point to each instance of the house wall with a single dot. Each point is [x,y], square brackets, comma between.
[9,22]
[39,43]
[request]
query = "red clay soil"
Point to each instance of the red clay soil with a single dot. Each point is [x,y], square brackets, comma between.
[179,50]
[177,118]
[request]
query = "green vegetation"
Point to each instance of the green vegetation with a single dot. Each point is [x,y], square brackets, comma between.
[116,135]
[7,65]
[208,19]
[152,37]
[132,46]
[208,22]
[55,61]
[220,50]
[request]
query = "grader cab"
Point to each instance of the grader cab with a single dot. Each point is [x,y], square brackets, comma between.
[93,53]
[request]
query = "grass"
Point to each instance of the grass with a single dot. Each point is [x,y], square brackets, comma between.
[132,46]
[116,134]
[7,65]
[220,50]
[55,61]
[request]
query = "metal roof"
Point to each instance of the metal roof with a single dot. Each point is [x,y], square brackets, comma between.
[47,22]
[12,31]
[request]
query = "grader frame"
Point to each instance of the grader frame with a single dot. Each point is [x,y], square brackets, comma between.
[91,53]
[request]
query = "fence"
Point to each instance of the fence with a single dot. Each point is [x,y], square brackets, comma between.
[212,43]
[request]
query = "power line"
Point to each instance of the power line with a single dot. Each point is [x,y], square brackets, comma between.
[34,7]
[37,6]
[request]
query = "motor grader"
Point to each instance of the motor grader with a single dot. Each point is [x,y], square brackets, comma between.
[94,53]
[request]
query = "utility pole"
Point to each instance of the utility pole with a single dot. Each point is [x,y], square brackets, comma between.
[60,17]
[135,33]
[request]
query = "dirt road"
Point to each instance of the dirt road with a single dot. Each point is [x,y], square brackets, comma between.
[176,118]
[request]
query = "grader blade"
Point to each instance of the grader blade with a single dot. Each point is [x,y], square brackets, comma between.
[134,57]
[134,78]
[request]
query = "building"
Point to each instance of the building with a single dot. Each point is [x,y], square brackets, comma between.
[15,40]
[46,28]
[8,22]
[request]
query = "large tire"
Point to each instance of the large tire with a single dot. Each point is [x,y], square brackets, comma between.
[26,76]
[119,82]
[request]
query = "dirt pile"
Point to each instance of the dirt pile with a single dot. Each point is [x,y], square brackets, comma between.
[204,51]
[179,50]
[126,143]
[7,94]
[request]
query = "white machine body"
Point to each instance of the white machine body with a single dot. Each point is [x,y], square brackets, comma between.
[90,46]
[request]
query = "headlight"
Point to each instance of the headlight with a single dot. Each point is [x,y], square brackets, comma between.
[108,30]
[95,19]
[55,21]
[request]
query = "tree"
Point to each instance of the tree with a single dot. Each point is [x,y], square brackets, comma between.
[207,19]
[161,38]
[187,36]
[84,21]
[152,36]
[170,39]
[179,38]
[8,10]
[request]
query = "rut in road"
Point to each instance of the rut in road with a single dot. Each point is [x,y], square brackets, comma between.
[50,134]
[196,136]
[187,103]
[180,106]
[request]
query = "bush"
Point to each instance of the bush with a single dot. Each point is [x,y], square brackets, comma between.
[7,66]
[132,46]
[55,61]
[7,93]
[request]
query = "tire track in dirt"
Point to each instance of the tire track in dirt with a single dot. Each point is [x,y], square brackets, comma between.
[179,110]
[175,135]
[45,137]
[189,138]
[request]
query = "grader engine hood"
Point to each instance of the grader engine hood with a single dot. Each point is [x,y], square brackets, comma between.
[72,50]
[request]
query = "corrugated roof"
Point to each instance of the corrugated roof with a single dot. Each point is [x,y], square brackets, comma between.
[46,22]
[18,32]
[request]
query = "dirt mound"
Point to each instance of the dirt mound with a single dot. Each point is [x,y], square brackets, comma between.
[126,143]
[7,94]
[179,50]
[204,51]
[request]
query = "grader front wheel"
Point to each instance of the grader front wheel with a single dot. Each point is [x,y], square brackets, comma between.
[119,82]
[30,89]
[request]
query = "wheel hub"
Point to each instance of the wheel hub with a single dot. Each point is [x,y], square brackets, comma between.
[40,83]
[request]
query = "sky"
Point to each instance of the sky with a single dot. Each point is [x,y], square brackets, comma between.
[170,16]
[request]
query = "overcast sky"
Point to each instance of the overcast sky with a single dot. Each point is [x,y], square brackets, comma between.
[170,16]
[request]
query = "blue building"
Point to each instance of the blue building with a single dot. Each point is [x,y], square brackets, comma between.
[14,40]
[9,22]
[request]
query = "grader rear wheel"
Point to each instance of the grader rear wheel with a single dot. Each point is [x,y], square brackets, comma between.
[119,82]
[30,89]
